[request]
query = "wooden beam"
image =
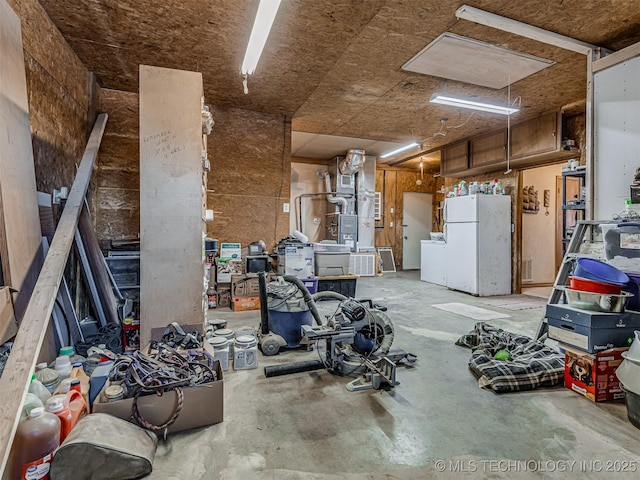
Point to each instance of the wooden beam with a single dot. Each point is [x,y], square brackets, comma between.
[16,377]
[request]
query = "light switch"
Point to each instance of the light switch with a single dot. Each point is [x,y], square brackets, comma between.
[391,210]
[391,224]
[285,207]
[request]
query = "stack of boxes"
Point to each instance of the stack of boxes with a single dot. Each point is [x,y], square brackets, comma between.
[593,343]
[228,264]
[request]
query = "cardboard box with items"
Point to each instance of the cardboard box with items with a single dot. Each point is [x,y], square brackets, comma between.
[155,406]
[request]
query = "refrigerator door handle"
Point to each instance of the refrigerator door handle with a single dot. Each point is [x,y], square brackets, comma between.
[444,212]
[444,230]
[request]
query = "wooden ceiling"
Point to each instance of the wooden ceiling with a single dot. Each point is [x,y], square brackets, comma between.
[334,65]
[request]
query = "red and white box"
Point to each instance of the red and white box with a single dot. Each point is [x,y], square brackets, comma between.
[593,375]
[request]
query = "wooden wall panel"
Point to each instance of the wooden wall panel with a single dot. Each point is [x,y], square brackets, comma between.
[46,45]
[119,212]
[248,183]
[59,97]
[171,224]
[118,167]
[393,182]
[385,229]
[20,234]
[250,176]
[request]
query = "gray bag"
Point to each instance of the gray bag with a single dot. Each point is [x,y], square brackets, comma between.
[103,447]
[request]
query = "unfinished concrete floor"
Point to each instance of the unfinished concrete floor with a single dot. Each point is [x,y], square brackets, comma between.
[436,424]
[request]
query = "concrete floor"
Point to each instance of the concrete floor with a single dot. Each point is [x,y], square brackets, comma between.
[436,424]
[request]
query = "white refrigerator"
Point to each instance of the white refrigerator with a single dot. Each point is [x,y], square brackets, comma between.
[478,235]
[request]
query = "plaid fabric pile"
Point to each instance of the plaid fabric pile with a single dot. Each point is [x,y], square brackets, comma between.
[532,363]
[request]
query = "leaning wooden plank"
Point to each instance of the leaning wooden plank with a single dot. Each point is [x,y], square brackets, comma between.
[14,382]
[19,219]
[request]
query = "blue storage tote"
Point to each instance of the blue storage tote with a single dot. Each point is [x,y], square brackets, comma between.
[311,284]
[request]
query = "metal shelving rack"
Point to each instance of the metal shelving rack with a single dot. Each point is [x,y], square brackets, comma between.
[579,206]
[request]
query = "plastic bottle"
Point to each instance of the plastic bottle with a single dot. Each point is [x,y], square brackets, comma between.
[77,406]
[63,387]
[31,401]
[59,406]
[36,439]
[38,389]
[63,366]
[78,373]
[47,376]
[73,356]
[212,297]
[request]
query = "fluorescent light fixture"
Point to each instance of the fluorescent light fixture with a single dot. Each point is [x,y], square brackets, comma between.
[466,102]
[505,24]
[261,27]
[399,150]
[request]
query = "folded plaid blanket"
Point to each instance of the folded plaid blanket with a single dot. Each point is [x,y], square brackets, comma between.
[532,363]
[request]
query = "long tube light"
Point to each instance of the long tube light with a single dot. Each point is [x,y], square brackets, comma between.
[466,102]
[399,150]
[505,24]
[261,27]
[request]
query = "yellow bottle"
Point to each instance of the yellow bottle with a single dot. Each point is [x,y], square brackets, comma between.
[78,372]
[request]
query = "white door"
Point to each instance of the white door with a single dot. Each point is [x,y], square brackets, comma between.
[416,225]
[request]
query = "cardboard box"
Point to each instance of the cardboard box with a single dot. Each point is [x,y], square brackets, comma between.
[593,375]
[591,331]
[224,296]
[298,260]
[225,267]
[203,405]
[243,304]
[247,285]
[244,286]
[8,325]
[231,250]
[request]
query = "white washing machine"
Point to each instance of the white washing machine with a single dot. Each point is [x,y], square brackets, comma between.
[433,262]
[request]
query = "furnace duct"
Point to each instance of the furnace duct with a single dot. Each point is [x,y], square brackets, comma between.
[332,197]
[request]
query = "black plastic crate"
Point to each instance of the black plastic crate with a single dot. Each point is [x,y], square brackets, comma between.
[346,287]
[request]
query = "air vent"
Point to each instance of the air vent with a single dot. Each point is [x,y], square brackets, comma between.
[363,264]
[377,206]
[527,270]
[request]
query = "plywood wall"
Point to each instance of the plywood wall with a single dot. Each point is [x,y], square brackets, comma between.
[393,182]
[118,172]
[60,96]
[250,176]
[250,155]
